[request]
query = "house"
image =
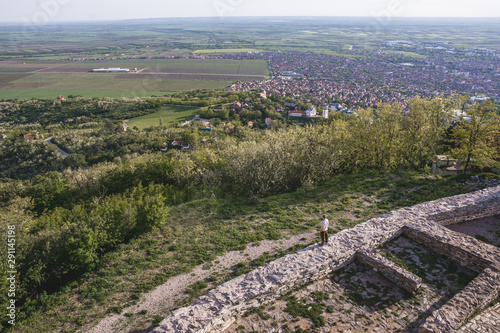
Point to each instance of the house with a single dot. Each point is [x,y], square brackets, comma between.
[179,143]
[28,137]
[335,107]
[268,122]
[295,113]
[237,104]
[263,94]
[311,112]
[3,136]
[250,124]
[290,105]
[60,98]
[280,109]
[446,166]
[125,127]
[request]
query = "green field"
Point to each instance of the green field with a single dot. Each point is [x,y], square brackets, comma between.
[212,51]
[327,52]
[31,78]
[168,114]
[53,93]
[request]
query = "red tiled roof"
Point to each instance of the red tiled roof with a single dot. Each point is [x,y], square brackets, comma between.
[29,137]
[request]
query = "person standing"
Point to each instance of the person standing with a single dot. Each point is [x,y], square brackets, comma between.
[324,230]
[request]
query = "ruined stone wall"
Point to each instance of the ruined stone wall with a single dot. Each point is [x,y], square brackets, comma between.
[454,248]
[460,208]
[221,306]
[475,296]
[401,277]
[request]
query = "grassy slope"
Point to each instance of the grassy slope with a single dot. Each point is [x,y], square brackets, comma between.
[199,230]
[169,114]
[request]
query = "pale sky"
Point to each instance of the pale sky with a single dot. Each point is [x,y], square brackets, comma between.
[52,11]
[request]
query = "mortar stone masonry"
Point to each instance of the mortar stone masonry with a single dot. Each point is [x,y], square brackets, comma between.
[423,223]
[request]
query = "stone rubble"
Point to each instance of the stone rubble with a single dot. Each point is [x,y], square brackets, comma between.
[423,223]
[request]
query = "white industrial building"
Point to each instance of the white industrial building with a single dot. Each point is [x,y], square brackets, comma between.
[115,70]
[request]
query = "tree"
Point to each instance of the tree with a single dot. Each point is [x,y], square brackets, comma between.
[472,135]
[75,160]
[424,126]
[190,137]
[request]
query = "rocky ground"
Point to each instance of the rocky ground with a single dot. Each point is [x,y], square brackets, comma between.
[357,299]
[487,229]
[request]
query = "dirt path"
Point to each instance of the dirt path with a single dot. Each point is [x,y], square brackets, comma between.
[163,298]
[488,227]
[197,117]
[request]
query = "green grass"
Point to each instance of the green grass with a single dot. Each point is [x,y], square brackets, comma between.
[168,114]
[211,51]
[313,310]
[158,77]
[328,52]
[53,93]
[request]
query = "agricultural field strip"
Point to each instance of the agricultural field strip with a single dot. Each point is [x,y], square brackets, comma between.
[193,73]
[227,70]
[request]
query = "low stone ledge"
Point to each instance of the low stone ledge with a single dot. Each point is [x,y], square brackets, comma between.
[474,297]
[401,277]
[464,207]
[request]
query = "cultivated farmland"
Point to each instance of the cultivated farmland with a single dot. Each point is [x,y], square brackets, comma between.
[22,79]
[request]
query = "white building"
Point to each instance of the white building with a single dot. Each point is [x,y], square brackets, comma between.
[294,113]
[311,112]
[114,70]
[325,112]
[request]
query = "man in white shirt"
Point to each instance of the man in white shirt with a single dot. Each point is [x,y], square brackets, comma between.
[324,230]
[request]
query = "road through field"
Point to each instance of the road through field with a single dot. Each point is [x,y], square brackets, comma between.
[59,150]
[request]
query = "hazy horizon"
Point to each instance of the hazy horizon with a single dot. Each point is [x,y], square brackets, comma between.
[65,11]
[256,18]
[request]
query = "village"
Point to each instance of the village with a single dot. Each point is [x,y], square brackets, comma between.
[367,79]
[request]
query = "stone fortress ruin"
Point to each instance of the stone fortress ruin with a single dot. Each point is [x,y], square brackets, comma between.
[423,224]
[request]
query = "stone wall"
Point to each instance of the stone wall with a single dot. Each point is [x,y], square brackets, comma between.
[465,207]
[473,254]
[401,277]
[221,306]
[475,296]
